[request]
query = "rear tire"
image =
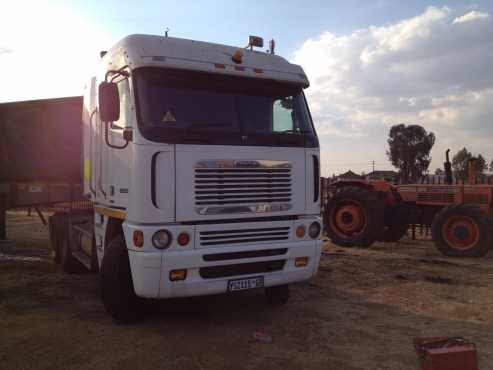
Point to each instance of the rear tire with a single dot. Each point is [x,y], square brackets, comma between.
[119,297]
[462,230]
[277,295]
[58,228]
[70,264]
[354,217]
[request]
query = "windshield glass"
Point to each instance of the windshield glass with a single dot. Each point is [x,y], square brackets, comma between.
[184,106]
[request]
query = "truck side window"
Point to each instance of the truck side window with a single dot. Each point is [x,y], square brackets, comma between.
[283,115]
[124,92]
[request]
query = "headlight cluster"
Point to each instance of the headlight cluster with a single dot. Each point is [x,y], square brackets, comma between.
[313,230]
[162,239]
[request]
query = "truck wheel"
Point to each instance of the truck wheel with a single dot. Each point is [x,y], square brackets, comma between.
[462,230]
[354,217]
[277,295]
[57,226]
[396,225]
[69,263]
[118,292]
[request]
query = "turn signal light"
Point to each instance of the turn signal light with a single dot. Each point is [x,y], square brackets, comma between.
[138,238]
[301,261]
[176,275]
[183,239]
[300,231]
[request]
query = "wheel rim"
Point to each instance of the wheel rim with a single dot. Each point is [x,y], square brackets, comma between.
[461,232]
[348,219]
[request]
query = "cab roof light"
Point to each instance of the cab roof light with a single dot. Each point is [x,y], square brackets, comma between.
[237,57]
[220,66]
[258,70]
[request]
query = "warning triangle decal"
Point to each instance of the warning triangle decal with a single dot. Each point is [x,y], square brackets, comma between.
[168,117]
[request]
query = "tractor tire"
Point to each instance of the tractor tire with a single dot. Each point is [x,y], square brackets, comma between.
[119,297]
[354,217]
[396,225]
[462,230]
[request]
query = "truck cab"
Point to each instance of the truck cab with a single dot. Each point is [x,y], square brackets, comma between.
[202,163]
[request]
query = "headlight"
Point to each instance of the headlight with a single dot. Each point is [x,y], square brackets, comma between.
[314,230]
[161,239]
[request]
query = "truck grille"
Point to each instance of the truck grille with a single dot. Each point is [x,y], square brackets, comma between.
[242,186]
[232,237]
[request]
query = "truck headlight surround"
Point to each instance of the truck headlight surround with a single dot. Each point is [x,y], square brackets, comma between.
[162,239]
[314,230]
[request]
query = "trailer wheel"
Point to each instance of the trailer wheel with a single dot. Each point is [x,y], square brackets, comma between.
[277,295]
[462,230]
[354,217]
[396,225]
[118,292]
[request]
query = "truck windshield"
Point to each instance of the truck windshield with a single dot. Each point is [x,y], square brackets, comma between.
[177,106]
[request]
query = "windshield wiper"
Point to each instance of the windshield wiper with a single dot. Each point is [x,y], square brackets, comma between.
[292,132]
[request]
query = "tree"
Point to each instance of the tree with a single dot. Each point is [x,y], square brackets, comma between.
[439,171]
[460,163]
[409,150]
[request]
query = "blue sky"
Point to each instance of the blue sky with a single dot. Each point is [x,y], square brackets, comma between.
[290,22]
[371,63]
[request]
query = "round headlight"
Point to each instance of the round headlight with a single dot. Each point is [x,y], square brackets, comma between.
[161,239]
[314,230]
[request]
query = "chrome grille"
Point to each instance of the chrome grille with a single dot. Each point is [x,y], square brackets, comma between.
[239,236]
[257,186]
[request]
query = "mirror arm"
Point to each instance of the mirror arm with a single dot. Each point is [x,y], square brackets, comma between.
[116,72]
[107,138]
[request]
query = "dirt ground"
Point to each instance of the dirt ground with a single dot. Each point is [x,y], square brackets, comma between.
[360,312]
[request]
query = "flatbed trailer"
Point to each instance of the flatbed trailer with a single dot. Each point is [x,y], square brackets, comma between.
[40,155]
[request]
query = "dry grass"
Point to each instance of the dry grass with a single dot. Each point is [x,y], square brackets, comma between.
[360,312]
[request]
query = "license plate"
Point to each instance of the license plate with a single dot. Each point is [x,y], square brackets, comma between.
[244,284]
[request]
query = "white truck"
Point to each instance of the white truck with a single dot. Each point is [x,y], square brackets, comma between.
[202,165]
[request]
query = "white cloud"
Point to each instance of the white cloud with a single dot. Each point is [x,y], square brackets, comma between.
[433,69]
[471,16]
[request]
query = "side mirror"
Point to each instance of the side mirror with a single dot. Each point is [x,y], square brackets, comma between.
[109,102]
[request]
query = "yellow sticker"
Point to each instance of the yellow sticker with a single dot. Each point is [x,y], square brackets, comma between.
[168,117]
[87,169]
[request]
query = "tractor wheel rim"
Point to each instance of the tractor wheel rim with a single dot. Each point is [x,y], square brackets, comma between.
[461,232]
[348,219]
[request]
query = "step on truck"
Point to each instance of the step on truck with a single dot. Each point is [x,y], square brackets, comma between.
[201,163]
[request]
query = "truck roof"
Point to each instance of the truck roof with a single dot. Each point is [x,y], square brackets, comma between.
[169,52]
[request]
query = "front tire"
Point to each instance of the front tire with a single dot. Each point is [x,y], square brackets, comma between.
[277,295]
[117,287]
[462,230]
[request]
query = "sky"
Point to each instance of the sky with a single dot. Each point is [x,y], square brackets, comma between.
[371,64]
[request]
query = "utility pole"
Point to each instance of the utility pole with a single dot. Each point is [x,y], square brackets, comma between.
[373,165]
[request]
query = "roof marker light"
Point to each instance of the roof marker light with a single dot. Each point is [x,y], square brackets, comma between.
[220,66]
[237,57]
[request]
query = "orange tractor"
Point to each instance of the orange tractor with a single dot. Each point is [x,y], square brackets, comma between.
[360,212]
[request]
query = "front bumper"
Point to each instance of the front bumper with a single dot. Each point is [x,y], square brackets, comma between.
[151,267]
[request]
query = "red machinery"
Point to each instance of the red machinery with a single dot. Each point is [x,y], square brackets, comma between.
[360,212]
